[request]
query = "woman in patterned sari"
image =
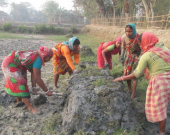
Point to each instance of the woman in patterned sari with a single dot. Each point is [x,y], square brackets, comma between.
[15,67]
[156,58]
[129,54]
[62,61]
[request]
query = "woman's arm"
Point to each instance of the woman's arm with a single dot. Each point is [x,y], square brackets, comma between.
[66,53]
[104,55]
[37,78]
[123,78]
[76,58]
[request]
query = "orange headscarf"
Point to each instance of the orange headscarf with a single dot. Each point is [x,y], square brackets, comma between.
[148,41]
[43,52]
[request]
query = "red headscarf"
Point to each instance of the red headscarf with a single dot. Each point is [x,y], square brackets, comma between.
[43,52]
[118,39]
[148,41]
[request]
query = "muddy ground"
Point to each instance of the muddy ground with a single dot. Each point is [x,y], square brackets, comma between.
[18,120]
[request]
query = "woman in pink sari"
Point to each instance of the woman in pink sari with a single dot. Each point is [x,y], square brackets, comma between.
[105,52]
[15,67]
[156,58]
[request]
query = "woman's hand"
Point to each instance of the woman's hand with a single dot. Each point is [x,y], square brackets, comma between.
[76,71]
[106,65]
[49,93]
[118,79]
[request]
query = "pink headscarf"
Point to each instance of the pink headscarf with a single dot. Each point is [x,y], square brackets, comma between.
[118,39]
[43,52]
[148,41]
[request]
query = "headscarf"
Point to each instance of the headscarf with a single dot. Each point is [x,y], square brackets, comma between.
[43,52]
[133,29]
[70,43]
[118,39]
[148,41]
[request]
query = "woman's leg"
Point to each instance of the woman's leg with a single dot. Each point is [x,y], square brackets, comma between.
[134,88]
[29,106]
[129,85]
[18,99]
[162,125]
[56,77]
[70,72]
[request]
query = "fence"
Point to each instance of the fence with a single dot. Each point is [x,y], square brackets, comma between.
[162,21]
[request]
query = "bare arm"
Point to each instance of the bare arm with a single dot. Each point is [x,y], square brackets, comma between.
[33,81]
[103,54]
[37,78]
[122,78]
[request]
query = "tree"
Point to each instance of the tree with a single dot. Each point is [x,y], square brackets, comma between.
[50,8]
[3,3]
[101,6]
[88,8]
[25,12]
[20,11]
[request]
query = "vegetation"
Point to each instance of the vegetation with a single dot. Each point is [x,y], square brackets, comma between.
[93,42]
[6,35]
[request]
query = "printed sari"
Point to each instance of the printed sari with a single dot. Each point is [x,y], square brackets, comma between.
[15,67]
[60,65]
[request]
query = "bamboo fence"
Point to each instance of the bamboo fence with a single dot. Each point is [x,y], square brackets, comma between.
[162,21]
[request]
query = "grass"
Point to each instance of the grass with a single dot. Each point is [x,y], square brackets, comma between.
[7,35]
[93,42]
[85,39]
[117,132]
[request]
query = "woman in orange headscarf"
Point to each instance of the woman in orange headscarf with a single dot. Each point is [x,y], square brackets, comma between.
[15,67]
[156,58]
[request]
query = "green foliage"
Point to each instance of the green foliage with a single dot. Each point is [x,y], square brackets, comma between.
[52,123]
[7,26]
[124,132]
[50,9]
[100,82]
[73,30]
[36,29]
[161,7]
[23,29]
[59,31]
[43,29]
[51,28]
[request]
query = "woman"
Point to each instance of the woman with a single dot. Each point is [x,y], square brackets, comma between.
[62,61]
[156,58]
[15,67]
[130,54]
[105,52]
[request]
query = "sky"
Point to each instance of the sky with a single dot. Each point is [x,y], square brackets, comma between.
[37,4]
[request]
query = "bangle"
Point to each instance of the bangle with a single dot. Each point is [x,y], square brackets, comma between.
[122,78]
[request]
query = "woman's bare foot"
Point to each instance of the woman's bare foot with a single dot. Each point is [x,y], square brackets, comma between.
[132,96]
[34,111]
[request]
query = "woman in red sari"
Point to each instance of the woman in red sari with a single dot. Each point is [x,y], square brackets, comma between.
[15,67]
[130,54]
[156,58]
[105,52]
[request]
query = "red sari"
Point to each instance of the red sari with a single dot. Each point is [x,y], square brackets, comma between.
[109,54]
[15,68]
